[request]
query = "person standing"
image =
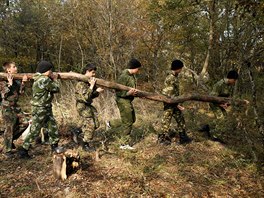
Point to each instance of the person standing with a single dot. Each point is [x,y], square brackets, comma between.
[44,86]
[171,89]
[223,88]
[14,119]
[85,92]
[124,103]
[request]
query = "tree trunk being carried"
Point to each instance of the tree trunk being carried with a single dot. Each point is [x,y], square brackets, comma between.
[141,94]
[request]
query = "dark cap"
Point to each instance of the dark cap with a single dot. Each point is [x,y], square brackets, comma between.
[176,64]
[89,67]
[44,66]
[134,63]
[232,75]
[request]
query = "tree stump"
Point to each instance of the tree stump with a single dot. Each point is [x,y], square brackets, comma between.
[65,163]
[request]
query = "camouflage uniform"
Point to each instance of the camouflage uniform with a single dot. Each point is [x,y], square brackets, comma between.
[43,90]
[171,89]
[220,89]
[15,121]
[125,106]
[88,116]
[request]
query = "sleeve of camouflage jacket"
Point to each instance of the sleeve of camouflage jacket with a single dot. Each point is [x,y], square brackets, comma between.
[51,85]
[4,89]
[83,92]
[216,89]
[123,81]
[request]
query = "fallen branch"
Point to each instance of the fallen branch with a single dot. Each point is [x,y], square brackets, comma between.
[141,94]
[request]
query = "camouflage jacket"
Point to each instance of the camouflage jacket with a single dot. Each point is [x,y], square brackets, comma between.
[43,90]
[171,85]
[84,94]
[222,89]
[126,79]
[10,94]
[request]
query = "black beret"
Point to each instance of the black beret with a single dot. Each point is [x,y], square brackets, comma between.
[44,66]
[232,74]
[176,64]
[134,63]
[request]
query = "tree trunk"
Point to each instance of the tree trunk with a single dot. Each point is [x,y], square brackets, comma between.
[211,37]
[254,102]
[59,56]
[65,164]
[142,94]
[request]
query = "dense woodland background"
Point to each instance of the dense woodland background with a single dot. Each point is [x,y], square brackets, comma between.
[210,36]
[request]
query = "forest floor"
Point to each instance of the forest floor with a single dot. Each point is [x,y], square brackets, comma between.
[200,169]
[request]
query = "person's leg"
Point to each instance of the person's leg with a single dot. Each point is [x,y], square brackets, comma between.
[37,123]
[21,126]
[163,136]
[178,116]
[39,119]
[127,114]
[87,134]
[219,115]
[88,122]
[52,129]
[10,118]
[115,123]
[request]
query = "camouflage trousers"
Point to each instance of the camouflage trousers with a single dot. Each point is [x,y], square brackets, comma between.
[88,122]
[123,128]
[15,124]
[169,113]
[217,125]
[42,117]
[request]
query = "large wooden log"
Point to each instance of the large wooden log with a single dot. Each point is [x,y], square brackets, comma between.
[142,94]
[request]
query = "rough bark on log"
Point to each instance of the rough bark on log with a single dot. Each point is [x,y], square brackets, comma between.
[142,94]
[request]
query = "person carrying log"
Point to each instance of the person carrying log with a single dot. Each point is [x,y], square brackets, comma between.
[124,101]
[171,89]
[14,119]
[44,86]
[85,92]
[223,88]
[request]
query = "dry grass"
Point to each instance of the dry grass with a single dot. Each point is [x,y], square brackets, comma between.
[201,169]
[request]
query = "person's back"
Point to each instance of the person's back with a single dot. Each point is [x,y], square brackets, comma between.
[45,85]
[222,89]
[43,90]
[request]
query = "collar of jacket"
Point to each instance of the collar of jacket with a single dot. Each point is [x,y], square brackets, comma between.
[172,73]
[127,72]
[226,81]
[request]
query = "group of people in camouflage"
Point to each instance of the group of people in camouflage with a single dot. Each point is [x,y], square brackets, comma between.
[46,84]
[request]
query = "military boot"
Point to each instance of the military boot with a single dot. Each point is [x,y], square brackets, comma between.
[75,134]
[23,154]
[8,154]
[206,130]
[164,139]
[54,147]
[184,139]
[87,146]
[13,145]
